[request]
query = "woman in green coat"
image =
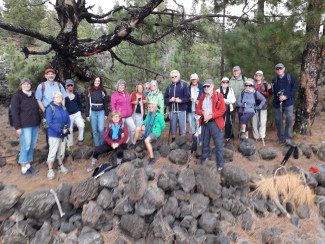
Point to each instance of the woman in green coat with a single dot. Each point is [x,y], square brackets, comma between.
[156,96]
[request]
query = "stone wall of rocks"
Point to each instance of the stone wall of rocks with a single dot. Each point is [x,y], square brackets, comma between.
[176,205]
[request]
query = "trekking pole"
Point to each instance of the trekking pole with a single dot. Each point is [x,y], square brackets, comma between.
[70,156]
[61,154]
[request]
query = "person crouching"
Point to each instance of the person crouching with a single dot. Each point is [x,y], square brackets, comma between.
[116,137]
[151,128]
[58,121]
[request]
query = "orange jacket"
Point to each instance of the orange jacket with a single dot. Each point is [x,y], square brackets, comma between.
[218,109]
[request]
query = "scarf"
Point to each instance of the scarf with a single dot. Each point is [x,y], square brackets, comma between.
[115,130]
[71,95]
[225,95]
[96,87]
[155,92]
[151,120]
[29,93]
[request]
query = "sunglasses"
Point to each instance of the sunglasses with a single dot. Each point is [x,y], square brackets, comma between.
[69,85]
[174,77]
[278,68]
[226,82]
[206,86]
[249,85]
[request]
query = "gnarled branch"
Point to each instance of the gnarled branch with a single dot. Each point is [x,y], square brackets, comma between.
[27,52]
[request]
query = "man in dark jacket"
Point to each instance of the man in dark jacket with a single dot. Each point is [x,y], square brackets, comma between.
[73,105]
[284,88]
[196,90]
[177,96]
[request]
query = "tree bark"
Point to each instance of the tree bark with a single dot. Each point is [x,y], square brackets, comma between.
[312,60]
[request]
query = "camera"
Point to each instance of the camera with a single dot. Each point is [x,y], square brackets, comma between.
[139,99]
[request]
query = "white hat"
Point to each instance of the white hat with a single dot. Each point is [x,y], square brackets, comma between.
[194,76]
[259,72]
[249,81]
[225,79]
[153,102]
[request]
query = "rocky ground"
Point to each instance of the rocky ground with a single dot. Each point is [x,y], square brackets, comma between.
[165,203]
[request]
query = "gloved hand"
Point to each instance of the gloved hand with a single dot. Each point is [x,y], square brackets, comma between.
[243,105]
[257,108]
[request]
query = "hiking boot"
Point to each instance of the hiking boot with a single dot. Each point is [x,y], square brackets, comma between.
[219,170]
[173,139]
[63,169]
[91,168]
[279,142]
[50,174]
[243,135]
[152,161]
[80,143]
[132,146]
[30,171]
[119,160]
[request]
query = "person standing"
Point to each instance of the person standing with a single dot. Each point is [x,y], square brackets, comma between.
[58,121]
[26,120]
[138,101]
[247,102]
[211,108]
[177,96]
[196,91]
[236,82]
[74,106]
[121,101]
[284,88]
[146,88]
[156,96]
[230,99]
[260,118]
[44,94]
[97,109]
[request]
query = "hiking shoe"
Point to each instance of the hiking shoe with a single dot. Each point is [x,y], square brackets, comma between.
[50,174]
[80,143]
[242,135]
[30,171]
[219,170]
[91,168]
[152,161]
[132,146]
[119,160]
[63,169]
[173,139]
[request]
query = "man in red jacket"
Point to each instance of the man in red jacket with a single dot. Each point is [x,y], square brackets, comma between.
[211,108]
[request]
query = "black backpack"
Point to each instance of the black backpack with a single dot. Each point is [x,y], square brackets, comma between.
[10,122]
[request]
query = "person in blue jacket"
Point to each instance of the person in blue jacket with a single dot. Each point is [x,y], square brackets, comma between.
[177,96]
[247,106]
[58,121]
[284,87]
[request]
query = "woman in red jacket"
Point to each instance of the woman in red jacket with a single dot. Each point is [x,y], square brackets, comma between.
[115,138]
[138,101]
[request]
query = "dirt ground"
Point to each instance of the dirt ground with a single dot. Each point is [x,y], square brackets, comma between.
[10,173]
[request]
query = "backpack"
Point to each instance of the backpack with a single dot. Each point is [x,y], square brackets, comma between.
[275,79]
[182,86]
[255,96]
[45,125]
[10,122]
[242,77]
[43,87]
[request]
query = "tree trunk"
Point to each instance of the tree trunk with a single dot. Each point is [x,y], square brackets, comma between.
[311,67]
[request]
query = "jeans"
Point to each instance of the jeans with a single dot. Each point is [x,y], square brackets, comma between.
[209,130]
[284,133]
[28,140]
[179,117]
[97,120]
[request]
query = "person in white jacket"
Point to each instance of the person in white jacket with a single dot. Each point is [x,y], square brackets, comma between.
[230,99]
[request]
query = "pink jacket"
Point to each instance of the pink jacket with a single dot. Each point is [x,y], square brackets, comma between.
[121,103]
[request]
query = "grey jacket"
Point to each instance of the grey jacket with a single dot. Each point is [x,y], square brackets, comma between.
[249,99]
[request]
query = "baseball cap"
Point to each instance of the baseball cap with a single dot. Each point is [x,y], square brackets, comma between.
[249,81]
[225,79]
[194,76]
[69,82]
[235,68]
[208,82]
[279,66]
[49,70]
[259,72]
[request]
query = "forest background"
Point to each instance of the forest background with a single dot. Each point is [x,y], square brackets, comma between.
[254,35]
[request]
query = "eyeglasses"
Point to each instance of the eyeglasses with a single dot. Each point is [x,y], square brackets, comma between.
[225,82]
[258,75]
[70,85]
[147,88]
[206,86]
[249,85]
[278,68]
[174,77]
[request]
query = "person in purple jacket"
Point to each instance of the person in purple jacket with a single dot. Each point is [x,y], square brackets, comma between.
[26,119]
[121,101]
[58,121]
[177,96]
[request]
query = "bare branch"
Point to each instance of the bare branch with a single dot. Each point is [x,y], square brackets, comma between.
[27,52]
[27,32]
[177,26]
[97,16]
[102,21]
[134,65]
[36,5]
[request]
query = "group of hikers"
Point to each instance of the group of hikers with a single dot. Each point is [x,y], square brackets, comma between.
[210,113]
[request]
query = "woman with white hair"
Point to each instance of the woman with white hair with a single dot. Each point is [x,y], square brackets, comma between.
[26,120]
[58,121]
[121,101]
[156,95]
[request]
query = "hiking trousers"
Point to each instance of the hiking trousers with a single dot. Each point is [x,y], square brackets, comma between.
[284,132]
[262,119]
[103,148]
